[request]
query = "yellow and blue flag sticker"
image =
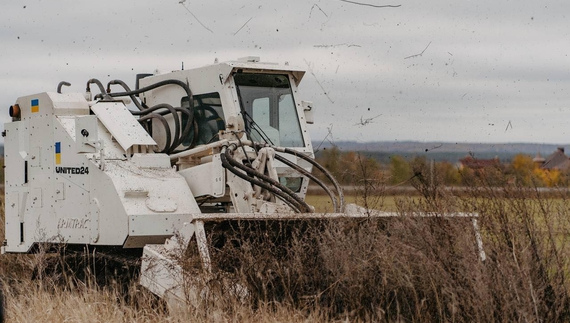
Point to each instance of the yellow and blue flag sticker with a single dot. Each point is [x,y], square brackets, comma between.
[58,153]
[35,105]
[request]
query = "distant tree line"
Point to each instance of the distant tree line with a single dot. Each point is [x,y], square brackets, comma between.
[356,168]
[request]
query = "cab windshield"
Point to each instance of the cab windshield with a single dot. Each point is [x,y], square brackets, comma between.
[268,108]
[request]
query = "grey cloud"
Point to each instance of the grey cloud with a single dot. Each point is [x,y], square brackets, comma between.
[489,62]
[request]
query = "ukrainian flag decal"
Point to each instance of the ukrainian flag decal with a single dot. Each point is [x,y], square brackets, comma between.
[35,105]
[58,153]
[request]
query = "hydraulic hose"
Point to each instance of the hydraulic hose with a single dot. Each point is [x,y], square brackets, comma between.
[99,84]
[284,197]
[144,110]
[319,167]
[312,177]
[162,119]
[186,131]
[184,86]
[252,172]
[187,128]
[176,137]
[304,207]
[154,86]
[126,88]
[61,84]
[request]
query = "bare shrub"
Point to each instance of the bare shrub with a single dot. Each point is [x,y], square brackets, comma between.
[527,243]
[373,269]
[409,268]
[416,268]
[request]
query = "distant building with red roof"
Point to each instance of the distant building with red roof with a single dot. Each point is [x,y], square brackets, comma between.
[557,160]
[478,164]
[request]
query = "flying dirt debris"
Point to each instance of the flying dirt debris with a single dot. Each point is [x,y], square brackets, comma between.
[228,141]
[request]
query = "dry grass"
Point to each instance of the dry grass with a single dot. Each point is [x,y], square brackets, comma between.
[322,203]
[405,269]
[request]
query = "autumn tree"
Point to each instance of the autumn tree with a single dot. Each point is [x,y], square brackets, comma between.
[548,177]
[521,168]
[400,170]
[448,172]
[330,159]
[350,168]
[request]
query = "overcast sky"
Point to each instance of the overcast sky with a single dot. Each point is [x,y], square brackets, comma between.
[490,71]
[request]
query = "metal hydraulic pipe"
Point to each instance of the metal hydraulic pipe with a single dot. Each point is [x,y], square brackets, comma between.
[199,149]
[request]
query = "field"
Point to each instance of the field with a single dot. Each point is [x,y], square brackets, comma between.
[322,203]
[405,269]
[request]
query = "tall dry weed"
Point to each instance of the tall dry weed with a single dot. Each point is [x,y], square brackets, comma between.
[409,268]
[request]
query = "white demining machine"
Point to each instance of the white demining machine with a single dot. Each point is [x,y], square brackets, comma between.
[227,141]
